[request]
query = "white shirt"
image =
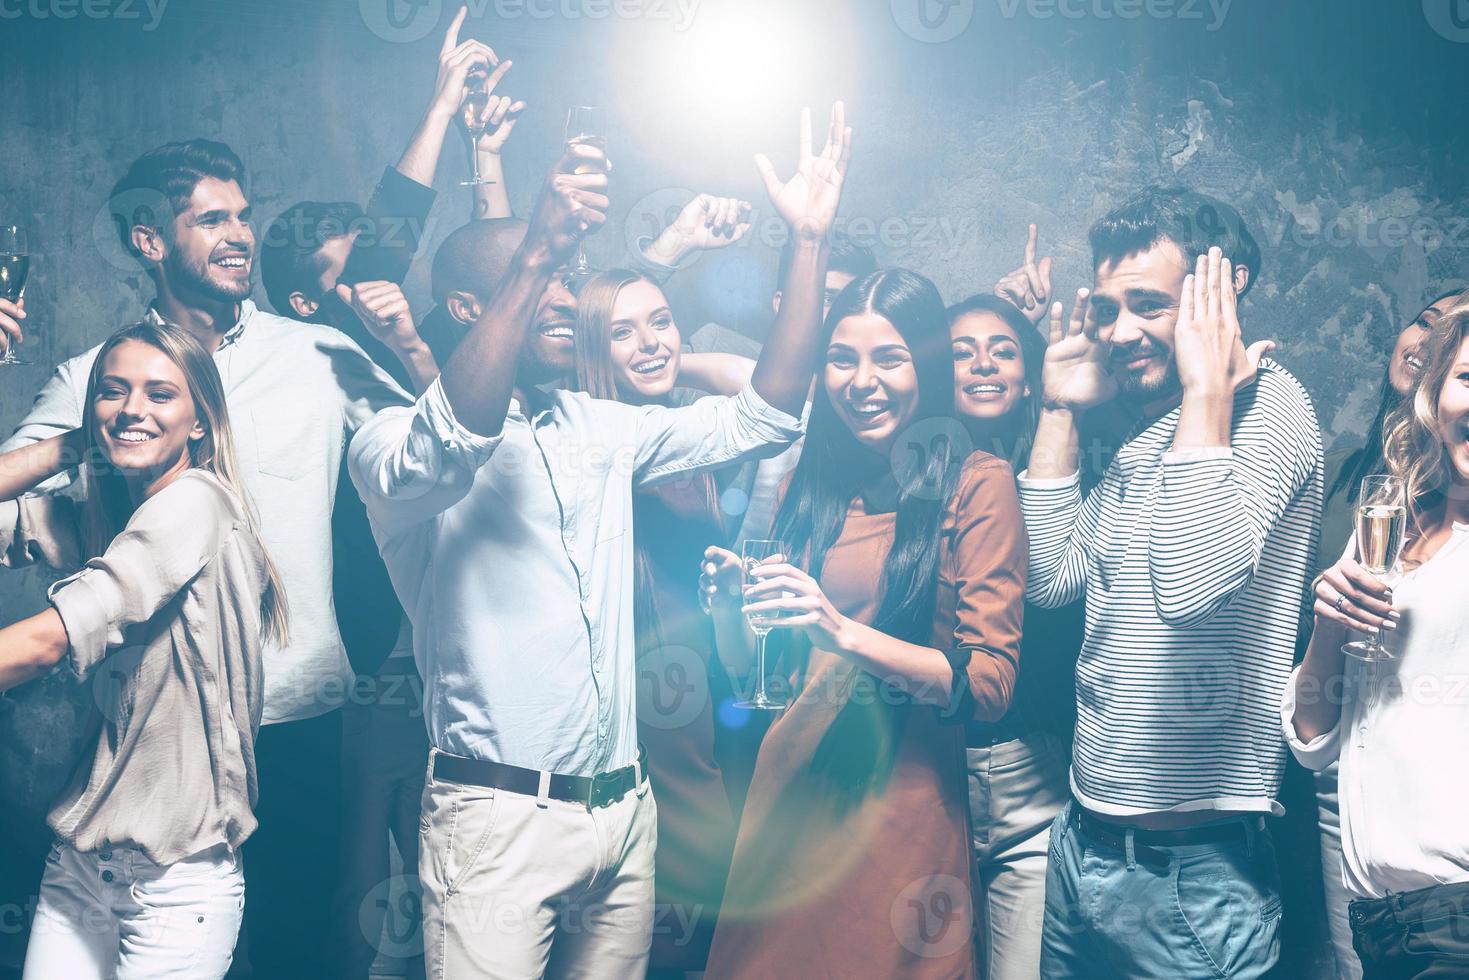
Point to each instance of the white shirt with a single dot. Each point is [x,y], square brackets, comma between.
[1403,737]
[513,557]
[295,392]
[1193,565]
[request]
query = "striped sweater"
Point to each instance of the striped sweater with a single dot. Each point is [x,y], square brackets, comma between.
[1193,565]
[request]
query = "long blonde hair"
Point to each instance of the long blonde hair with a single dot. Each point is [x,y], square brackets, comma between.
[108,505]
[1411,443]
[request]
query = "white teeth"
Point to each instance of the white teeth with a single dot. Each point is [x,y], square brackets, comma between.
[870,408]
[1413,362]
[133,437]
[558,332]
[651,367]
[232,263]
[980,389]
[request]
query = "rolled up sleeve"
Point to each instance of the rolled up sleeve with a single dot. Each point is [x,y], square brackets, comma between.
[39,528]
[1322,750]
[167,542]
[410,464]
[711,432]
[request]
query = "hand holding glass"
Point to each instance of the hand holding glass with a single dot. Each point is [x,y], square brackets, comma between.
[15,262]
[1382,517]
[754,553]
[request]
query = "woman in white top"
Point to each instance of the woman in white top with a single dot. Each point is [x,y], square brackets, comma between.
[1400,727]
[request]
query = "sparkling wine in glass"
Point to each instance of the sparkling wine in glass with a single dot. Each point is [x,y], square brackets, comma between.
[476,98]
[15,264]
[585,125]
[1382,519]
[754,553]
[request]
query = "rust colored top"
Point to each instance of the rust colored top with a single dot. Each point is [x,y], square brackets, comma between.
[853,855]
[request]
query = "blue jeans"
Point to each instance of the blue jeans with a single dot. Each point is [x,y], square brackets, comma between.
[1196,911]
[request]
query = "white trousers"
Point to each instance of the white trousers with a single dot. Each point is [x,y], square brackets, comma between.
[115,915]
[514,889]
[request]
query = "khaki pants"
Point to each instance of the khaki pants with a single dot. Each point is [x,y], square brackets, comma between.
[515,889]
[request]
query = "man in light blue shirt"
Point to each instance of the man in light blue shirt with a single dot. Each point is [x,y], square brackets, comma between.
[505,517]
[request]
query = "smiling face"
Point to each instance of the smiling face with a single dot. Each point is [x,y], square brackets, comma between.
[870,379]
[210,247]
[549,353]
[1135,305]
[989,366]
[144,417]
[645,343]
[1453,414]
[1407,363]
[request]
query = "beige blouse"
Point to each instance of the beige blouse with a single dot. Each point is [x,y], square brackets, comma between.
[165,628]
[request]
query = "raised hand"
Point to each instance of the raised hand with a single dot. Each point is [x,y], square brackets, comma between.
[456,61]
[1028,287]
[572,205]
[719,578]
[383,310]
[1207,345]
[488,119]
[1074,374]
[707,222]
[808,200]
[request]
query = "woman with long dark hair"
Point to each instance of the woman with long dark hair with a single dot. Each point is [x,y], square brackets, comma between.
[903,590]
[1398,728]
[628,348]
[165,619]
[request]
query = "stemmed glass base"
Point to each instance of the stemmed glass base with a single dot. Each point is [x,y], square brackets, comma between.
[762,701]
[1370,651]
[475,182]
[10,358]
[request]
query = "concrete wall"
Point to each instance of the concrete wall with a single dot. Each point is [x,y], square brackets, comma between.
[1333,127]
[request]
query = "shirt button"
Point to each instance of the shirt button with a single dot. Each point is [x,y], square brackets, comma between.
[448,443]
[107,876]
[106,855]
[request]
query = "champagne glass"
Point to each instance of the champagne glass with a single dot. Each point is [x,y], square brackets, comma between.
[584,124]
[15,263]
[1382,517]
[753,553]
[476,98]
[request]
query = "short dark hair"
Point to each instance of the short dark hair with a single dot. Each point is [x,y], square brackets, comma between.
[475,257]
[846,256]
[169,173]
[290,254]
[1194,222]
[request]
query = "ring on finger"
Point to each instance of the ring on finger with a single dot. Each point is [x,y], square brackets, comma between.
[1339,601]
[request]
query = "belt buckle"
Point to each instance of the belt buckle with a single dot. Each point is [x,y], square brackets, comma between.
[600,796]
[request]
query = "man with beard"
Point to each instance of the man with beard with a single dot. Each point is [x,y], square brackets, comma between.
[296,393]
[1192,555]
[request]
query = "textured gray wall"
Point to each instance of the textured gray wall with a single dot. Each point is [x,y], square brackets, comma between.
[1334,127]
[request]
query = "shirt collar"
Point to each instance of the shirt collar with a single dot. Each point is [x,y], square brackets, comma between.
[247,310]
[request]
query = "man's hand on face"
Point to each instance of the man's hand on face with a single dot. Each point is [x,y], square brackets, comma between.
[1074,374]
[573,204]
[1029,286]
[1208,349]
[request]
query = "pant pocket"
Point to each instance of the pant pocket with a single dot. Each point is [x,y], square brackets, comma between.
[472,822]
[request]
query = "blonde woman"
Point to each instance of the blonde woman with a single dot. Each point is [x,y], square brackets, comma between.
[1400,728]
[165,619]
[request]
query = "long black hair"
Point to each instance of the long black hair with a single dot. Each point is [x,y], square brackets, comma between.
[1010,437]
[856,753]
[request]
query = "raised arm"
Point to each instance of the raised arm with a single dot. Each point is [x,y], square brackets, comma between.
[28,466]
[716,373]
[457,59]
[479,379]
[808,203]
[493,118]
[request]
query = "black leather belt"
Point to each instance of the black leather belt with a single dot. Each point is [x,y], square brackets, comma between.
[603,789]
[1115,835]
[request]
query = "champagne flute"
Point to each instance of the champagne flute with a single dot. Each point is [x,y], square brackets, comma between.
[15,263]
[585,124]
[476,98]
[1382,517]
[753,553]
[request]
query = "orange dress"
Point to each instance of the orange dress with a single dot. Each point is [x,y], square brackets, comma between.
[852,858]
